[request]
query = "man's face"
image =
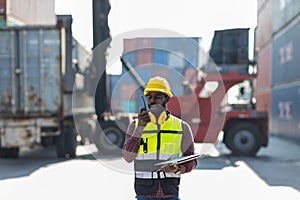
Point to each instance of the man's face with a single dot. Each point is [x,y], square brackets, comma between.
[157,98]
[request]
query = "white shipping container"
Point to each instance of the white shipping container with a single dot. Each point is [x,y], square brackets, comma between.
[30,12]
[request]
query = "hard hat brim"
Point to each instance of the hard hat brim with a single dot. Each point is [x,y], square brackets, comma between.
[147,90]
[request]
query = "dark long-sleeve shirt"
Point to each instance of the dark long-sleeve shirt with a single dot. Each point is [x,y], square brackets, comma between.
[132,144]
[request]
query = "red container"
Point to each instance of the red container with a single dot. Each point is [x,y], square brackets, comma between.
[264,103]
[264,25]
[264,62]
[128,91]
[137,43]
[128,45]
[161,71]
[144,57]
[3,7]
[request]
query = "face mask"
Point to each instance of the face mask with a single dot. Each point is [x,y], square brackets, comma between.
[158,114]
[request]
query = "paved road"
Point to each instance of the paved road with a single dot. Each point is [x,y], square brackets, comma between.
[38,174]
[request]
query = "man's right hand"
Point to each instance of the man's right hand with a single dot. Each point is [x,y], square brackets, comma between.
[143,117]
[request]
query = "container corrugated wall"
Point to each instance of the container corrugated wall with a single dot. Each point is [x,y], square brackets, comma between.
[41,12]
[264,24]
[284,11]
[264,62]
[286,110]
[8,50]
[286,48]
[277,39]
[30,59]
[2,7]
[260,3]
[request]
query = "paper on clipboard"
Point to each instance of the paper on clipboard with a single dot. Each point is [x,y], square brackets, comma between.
[179,160]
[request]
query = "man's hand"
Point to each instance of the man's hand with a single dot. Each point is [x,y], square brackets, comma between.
[143,117]
[170,168]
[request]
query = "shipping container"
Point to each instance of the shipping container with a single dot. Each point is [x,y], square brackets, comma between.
[261,4]
[167,57]
[3,7]
[264,103]
[264,62]
[177,52]
[2,21]
[30,12]
[144,56]
[137,43]
[160,57]
[31,70]
[37,97]
[128,106]
[128,91]
[263,100]
[286,110]
[264,25]
[113,85]
[285,54]
[160,70]
[284,11]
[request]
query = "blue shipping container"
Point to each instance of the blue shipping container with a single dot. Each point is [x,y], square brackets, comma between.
[285,58]
[33,70]
[286,110]
[283,12]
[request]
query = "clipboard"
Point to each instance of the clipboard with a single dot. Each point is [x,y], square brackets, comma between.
[179,160]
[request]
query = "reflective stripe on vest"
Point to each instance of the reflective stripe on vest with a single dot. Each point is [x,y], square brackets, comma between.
[150,175]
[158,143]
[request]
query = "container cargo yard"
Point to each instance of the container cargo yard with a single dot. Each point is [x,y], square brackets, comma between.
[277,49]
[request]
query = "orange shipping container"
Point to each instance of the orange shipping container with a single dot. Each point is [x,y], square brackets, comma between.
[264,25]
[144,57]
[264,103]
[264,62]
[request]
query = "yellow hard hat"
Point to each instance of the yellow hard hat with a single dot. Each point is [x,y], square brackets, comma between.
[158,84]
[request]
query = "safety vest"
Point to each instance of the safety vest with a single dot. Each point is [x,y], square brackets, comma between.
[158,143]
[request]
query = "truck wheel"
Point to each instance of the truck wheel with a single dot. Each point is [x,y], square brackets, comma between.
[110,141]
[9,152]
[244,139]
[66,142]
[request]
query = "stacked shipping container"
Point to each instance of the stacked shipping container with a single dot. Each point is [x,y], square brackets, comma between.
[2,12]
[285,73]
[176,59]
[264,57]
[27,12]
[283,52]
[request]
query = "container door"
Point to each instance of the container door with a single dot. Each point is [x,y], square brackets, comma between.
[40,64]
[7,71]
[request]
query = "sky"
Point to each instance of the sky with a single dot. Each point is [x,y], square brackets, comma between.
[191,18]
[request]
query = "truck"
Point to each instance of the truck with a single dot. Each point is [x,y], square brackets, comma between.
[38,69]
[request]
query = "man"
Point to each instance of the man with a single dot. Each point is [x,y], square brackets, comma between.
[154,137]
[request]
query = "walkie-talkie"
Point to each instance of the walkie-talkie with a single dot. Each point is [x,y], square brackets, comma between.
[146,107]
